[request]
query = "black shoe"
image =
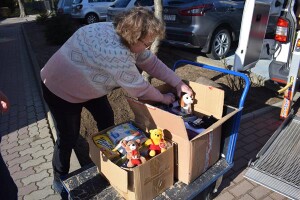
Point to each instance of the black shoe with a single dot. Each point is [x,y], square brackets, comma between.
[60,189]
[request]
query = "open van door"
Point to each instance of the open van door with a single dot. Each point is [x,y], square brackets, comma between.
[268,32]
[257,29]
[253,29]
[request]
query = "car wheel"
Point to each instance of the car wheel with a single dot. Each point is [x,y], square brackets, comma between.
[91,18]
[220,44]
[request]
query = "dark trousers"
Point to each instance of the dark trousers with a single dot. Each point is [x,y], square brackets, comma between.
[67,116]
[8,188]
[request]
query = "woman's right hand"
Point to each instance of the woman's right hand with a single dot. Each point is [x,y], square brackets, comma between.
[168,98]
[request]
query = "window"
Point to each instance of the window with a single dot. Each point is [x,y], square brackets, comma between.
[96,1]
[144,3]
[121,3]
[77,1]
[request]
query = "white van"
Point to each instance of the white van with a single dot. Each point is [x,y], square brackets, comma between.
[269,37]
[269,32]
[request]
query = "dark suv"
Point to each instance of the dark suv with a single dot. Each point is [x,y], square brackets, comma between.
[210,25]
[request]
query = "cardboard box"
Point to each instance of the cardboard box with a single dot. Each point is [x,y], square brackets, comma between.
[193,157]
[141,182]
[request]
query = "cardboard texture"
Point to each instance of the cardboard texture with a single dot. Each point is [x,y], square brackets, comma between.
[141,182]
[193,157]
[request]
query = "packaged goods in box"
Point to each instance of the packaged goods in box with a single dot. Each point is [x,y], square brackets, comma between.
[195,153]
[134,175]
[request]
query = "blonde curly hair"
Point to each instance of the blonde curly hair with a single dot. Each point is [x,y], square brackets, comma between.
[136,24]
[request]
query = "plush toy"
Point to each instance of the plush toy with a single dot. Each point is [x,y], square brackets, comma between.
[156,143]
[133,154]
[186,103]
[134,135]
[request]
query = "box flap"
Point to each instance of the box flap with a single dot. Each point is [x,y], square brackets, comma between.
[208,100]
[115,175]
[150,117]
[217,124]
[94,152]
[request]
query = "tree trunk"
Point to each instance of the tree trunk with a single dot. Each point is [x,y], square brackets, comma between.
[155,45]
[158,14]
[22,9]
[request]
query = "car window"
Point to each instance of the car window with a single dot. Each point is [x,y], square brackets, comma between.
[77,1]
[95,1]
[121,3]
[59,4]
[67,2]
[178,1]
[144,3]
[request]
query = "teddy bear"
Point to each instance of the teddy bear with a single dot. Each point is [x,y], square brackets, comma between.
[133,154]
[156,143]
[134,135]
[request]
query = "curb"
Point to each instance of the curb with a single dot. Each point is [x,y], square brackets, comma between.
[74,163]
[256,113]
[36,75]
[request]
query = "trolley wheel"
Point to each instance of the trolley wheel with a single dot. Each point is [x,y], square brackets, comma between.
[207,193]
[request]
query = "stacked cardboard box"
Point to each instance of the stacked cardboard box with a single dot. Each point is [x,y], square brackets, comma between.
[142,182]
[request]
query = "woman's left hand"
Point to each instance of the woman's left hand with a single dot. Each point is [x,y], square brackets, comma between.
[182,87]
[4,103]
[168,98]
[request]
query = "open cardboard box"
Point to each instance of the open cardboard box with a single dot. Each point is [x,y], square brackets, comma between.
[142,182]
[192,157]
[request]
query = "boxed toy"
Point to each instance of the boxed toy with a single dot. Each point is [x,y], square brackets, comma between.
[119,153]
[194,154]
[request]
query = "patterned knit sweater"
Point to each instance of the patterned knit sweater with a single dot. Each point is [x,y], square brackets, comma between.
[94,61]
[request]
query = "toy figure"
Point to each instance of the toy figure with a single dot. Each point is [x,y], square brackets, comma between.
[186,103]
[156,143]
[134,135]
[133,154]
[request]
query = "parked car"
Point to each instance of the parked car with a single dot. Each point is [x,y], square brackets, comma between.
[91,10]
[210,25]
[64,7]
[122,5]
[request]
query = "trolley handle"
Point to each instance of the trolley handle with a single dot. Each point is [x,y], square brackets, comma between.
[246,79]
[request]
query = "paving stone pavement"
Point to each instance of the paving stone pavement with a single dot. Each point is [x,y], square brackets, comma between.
[27,143]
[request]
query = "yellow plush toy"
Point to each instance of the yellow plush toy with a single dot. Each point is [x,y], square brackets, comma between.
[156,143]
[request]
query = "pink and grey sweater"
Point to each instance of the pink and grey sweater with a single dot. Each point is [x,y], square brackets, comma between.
[94,61]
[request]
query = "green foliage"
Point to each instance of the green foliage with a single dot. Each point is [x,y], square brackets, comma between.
[59,28]
[11,4]
[16,13]
[35,7]
[31,8]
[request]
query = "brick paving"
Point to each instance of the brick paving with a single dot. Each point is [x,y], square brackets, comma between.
[27,142]
[253,134]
